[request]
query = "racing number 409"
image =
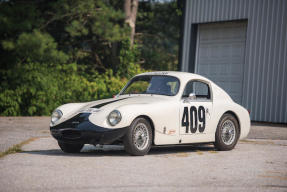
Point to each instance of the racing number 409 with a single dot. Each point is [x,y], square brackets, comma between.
[193,119]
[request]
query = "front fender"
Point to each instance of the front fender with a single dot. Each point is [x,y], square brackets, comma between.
[69,110]
[128,113]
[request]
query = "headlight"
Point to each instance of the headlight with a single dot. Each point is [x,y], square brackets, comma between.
[56,115]
[114,117]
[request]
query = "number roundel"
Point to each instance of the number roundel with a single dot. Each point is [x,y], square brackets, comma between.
[193,120]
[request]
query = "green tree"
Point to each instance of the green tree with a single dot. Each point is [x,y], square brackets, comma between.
[89,31]
[55,52]
[157,33]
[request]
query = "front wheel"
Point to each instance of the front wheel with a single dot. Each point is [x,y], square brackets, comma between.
[138,139]
[227,133]
[70,148]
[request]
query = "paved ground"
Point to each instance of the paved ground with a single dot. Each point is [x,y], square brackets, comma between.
[268,131]
[14,130]
[256,164]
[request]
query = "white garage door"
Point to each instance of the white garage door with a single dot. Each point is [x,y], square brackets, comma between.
[220,55]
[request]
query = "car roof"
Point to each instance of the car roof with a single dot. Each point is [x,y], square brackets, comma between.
[182,76]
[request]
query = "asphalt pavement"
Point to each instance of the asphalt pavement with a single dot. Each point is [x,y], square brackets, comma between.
[14,130]
[258,163]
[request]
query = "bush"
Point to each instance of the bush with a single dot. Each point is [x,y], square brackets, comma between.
[38,76]
[38,88]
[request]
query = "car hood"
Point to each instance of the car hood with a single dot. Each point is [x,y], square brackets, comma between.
[107,105]
[127,100]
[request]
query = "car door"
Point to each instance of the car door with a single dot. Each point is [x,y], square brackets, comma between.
[195,112]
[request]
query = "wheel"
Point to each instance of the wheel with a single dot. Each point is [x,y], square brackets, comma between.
[227,133]
[70,148]
[138,138]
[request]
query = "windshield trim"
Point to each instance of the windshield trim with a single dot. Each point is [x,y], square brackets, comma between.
[130,81]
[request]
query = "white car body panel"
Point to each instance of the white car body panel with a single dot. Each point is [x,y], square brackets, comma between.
[164,112]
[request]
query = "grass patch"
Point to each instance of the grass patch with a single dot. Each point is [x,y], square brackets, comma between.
[17,148]
[182,155]
[257,142]
[199,152]
[212,151]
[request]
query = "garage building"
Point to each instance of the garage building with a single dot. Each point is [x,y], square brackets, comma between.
[241,45]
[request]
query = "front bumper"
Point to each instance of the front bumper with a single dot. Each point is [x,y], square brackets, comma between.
[79,129]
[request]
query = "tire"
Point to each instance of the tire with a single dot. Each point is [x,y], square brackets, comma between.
[138,138]
[70,148]
[225,140]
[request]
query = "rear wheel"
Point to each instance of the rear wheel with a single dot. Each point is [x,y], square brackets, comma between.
[70,148]
[227,133]
[138,139]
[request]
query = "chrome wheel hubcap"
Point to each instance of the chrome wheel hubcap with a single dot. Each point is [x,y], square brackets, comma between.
[141,136]
[228,132]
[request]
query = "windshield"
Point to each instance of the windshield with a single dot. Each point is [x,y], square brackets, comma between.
[152,84]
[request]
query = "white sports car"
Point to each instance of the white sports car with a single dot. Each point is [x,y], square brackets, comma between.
[154,108]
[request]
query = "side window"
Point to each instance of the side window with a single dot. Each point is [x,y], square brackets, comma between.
[200,89]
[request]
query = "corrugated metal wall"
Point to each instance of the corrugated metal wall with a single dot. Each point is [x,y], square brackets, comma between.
[265,69]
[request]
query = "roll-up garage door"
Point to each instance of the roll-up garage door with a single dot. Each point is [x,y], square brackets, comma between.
[220,55]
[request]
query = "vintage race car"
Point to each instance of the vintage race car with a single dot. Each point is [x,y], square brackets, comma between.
[154,108]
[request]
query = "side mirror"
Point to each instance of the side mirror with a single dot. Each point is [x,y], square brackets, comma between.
[192,96]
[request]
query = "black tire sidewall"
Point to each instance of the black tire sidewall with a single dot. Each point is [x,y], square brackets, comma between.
[219,144]
[128,139]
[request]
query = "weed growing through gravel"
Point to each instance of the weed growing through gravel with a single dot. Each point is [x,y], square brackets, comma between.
[17,148]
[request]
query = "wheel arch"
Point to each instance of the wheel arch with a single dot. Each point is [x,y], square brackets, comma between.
[151,124]
[236,117]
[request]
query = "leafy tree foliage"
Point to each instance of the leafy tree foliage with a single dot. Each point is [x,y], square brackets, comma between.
[58,51]
[158,32]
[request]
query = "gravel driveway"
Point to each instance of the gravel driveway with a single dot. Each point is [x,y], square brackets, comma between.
[258,163]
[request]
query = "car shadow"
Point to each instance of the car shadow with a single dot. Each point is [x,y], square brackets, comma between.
[116,150]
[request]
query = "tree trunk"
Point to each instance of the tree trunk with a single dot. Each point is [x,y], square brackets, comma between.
[131,8]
